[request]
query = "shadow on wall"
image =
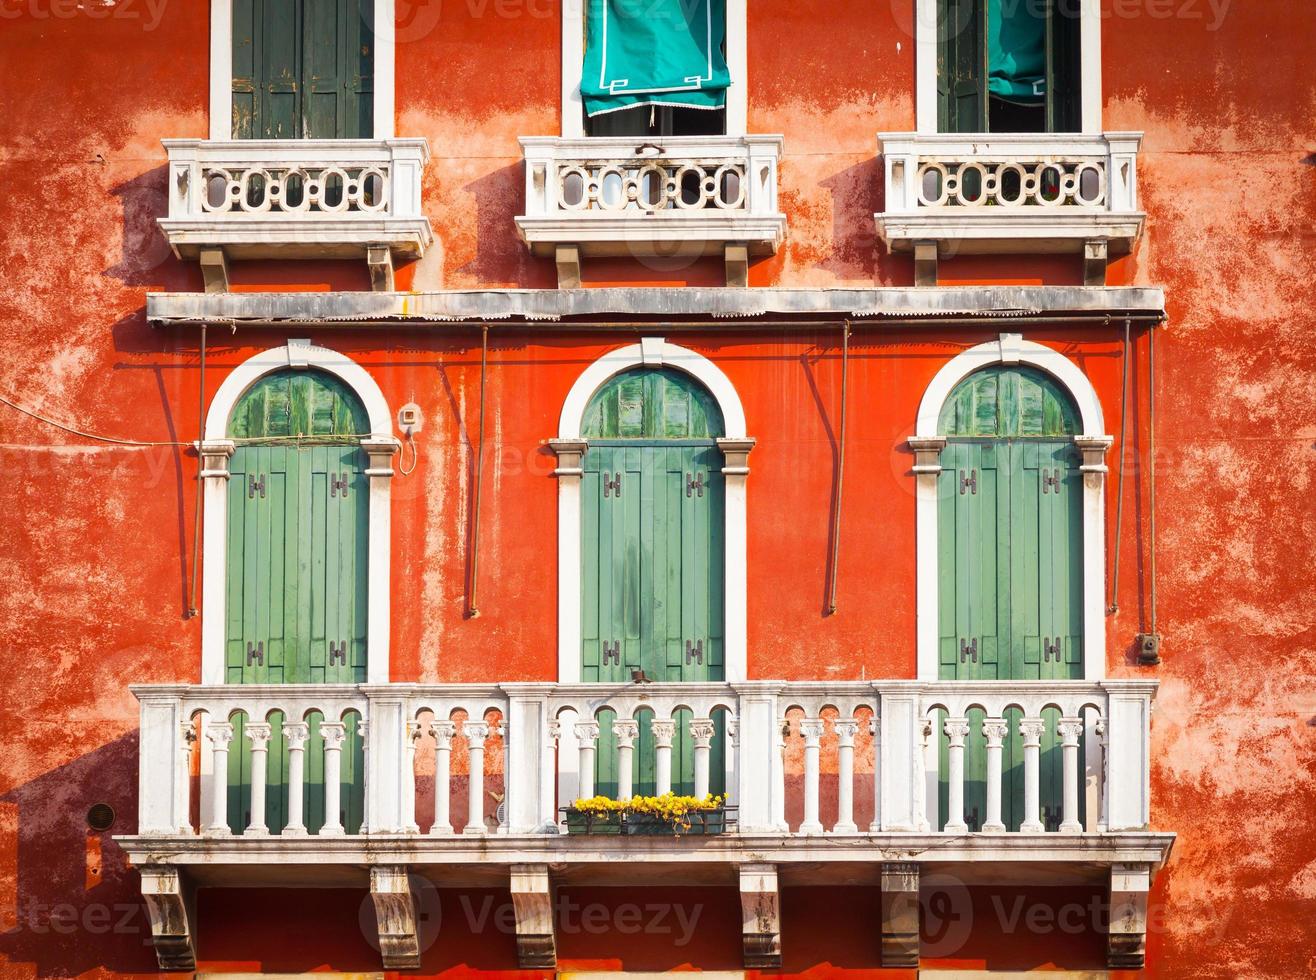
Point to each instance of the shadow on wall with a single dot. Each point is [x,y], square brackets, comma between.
[499,255]
[146,259]
[76,905]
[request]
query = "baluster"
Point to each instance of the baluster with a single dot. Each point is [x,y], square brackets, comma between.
[296,733]
[846,729]
[443,731]
[258,732]
[957,729]
[663,733]
[363,731]
[1103,787]
[701,730]
[334,733]
[921,775]
[811,729]
[183,785]
[220,734]
[995,729]
[875,729]
[408,787]
[587,739]
[779,777]
[626,730]
[1069,729]
[733,761]
[476,732]
[1031,729]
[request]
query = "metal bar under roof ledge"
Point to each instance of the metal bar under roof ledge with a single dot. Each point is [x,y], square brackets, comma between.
[695,307]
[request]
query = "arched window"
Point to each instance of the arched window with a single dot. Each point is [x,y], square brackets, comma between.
[653,549]
[1010,569]
[296,603]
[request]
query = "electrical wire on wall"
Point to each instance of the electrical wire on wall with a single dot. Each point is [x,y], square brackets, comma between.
[834,564]
[472,607]
[1114,606]
[200,464]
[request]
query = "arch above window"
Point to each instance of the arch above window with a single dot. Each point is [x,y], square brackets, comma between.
[648,403]
[1009,401]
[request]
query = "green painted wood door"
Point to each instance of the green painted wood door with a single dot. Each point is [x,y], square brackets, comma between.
[653,555]
[298,512]
[303,69]
[1010,555]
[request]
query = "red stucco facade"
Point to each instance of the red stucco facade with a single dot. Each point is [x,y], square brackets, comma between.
[97,551]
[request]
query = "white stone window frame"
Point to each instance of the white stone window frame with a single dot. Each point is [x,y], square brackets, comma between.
[216,449]
[925,65]
[221,69]
[1092,443]
[573,64]
[653,352]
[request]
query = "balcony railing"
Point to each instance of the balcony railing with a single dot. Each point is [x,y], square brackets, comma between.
[1011,193]
[296,198]
[682,195]
[548,738]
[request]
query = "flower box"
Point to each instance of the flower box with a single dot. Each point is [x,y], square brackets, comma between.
[649,817]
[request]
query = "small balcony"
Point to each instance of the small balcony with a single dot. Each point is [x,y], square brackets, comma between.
[466,783]
[992,194]
[296,199]
[685,196]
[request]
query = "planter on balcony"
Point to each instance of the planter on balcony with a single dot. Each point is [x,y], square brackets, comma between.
[702,823]
[997,193]
[296,199]
[689,195]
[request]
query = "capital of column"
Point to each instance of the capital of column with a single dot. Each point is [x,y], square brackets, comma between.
[957,730]
[259,733]
[1070,729]
[1031,729]
[927,453]
[846,729]
[702,731]
[555,732]
[735,454]
[415,730]
[187,732]
[333,733]
[296,732]
[215,455]
[627,731]
[220,734]
[443,732]
[1094,450]
[570,454]
[476,732]
[995,729]
[663,733]
[812,730]
[379,450]
[587,732]
[733,731]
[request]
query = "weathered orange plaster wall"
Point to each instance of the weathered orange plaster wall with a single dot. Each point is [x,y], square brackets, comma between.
[96,558]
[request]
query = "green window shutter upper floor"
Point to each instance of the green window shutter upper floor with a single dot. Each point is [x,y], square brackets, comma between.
[961,66]
[303,69]
[647,403]
[299,403]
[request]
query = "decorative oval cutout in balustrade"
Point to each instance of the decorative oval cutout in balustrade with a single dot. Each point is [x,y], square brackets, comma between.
[691,180]
[612,189]
[730,193]
[933,192]
[1049,181]
[1091,189]
[573,188]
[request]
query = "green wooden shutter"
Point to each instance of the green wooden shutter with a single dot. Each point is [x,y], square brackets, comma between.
[1064,69]
[338,77]
[613,574]
[961,66]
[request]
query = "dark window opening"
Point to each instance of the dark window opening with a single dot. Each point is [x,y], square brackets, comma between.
[655,120]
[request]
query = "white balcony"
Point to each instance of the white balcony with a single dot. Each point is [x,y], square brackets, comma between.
[680,196]
[296,199]
[993,193]
[523,751]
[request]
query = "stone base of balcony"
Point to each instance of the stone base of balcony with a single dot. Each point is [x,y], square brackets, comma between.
[317,237]
[642,235]
[1001,231]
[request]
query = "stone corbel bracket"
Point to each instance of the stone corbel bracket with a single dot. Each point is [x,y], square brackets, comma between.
[760,909]
[171,906]
[532,900]
[395,911]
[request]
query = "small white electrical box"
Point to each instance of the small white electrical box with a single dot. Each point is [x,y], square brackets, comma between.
[409,418]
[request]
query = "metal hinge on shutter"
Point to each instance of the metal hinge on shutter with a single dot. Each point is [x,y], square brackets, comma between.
[254,485]
[1051,650]
[611,651]
[969,650]
[969,482]
[338,484]
[694,483]
[613,485]
[338,653]
[256,652]
[694,652]
[1051,478]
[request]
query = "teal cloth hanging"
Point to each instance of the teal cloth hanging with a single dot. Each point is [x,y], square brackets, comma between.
[654,52]
[1016,50]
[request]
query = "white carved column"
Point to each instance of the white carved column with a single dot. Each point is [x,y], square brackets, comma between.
[846,729]
[811,729]
[334,733]
[875,729]
[183,784]
[1070,729]
[414,731]
[1031,729]
[443,731]
[297,734]
[258,733]
[702,731]
[626,730]
[779,775]
[220,734]
[663,733]
[476,732]
[587,740]
[921,775]
[1104,787]
[995,729]
[733,762]
[957,730]
[363,733]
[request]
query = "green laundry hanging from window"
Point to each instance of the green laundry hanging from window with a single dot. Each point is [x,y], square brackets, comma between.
[1016,50]
[654,52]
